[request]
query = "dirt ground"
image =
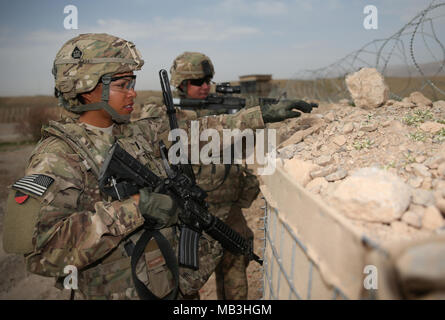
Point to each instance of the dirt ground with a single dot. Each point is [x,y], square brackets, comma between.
[16,283]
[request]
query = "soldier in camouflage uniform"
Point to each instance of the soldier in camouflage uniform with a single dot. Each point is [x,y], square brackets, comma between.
[56,215]
[230,187]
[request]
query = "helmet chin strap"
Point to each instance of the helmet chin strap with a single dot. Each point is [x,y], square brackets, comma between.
[103,104]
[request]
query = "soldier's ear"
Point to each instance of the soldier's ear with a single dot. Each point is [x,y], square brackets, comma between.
[92,96]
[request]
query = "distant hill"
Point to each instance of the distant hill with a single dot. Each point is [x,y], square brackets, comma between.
[428,69]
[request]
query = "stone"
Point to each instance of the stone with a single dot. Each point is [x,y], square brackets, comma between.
[422,197]
[323,172]
[337,175]
[439,104]
[323,160]
[369,127]
[329,117]
[440,204]
[413,219]
[415,182]
[299,170]
[420,159]
[441,170]
[348,128]
[339,140]
[420,170]
[432,218]
[431,127]
[316,185]
[400,104]
[372,194]
[419,99]
[367,88]
[435,161]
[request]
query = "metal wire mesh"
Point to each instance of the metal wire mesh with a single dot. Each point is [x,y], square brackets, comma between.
[396,57]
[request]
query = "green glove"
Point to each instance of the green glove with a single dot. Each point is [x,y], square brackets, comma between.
[159,210]
[279,111]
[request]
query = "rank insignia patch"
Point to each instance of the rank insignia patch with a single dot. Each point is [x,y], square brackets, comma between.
[76,54]
[36,184]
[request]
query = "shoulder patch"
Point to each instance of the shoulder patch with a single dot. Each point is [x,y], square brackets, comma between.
[36,184]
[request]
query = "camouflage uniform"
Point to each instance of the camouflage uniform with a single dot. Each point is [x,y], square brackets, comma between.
[231,187]
[67,221]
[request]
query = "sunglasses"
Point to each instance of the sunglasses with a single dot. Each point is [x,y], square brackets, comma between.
[199,82]
[128,85]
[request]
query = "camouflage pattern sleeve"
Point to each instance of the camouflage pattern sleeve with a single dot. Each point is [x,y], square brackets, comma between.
[155,125]
[74,226]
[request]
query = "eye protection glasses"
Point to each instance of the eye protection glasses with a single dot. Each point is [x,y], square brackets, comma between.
[199,82]
[124,85]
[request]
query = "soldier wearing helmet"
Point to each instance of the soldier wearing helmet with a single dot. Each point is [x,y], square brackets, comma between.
[56,215]
[234,186]
[229,187]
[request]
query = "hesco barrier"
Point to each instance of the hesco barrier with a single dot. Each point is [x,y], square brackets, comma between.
[313,252]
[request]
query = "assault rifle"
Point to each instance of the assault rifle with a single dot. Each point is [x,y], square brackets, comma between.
[122,176]
[212,102]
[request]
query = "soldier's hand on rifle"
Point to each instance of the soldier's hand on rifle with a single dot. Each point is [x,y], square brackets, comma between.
[279,111]
[159,210]
[304,106]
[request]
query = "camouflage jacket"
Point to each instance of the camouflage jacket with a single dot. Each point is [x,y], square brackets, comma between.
[227,184]
[77,225]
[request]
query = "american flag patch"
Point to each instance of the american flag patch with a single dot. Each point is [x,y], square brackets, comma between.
[36,184]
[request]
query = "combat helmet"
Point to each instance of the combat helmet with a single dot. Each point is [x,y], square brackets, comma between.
[190,65]
[87,60]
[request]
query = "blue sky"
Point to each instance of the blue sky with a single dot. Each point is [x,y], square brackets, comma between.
[279,37]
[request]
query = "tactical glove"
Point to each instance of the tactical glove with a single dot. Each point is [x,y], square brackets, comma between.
[304,106]
[159,210]
[279,111]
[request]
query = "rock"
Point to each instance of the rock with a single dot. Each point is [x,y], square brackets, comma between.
[400,104]
[413,219]
[415,182]
[339,140]
[316,185]
[323,172]
[420,159]
[419,99]
[431,127]
[300,135]
[348,128]
[367,88]
[435,161]
[432,219]
[329,117]
[337,175]
[423,197]
[323,160]
[344,102]
[369,127]
[439,104]
[390,102]
[299,170]
[386,123]
[420,170]
[372,194]
[441,170]
[440,204]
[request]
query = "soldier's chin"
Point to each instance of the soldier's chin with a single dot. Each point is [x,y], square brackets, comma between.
[128,109]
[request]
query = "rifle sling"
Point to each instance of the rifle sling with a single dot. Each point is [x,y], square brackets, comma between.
[170,259]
